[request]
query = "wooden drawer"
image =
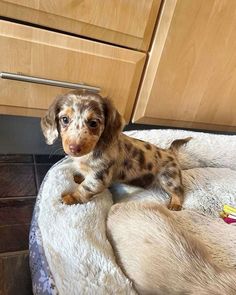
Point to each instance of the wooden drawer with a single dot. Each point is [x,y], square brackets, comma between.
[46,54]
[125,22]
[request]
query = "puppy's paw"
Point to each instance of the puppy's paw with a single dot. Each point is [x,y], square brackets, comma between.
[78,178]
[69,199]
[174,206]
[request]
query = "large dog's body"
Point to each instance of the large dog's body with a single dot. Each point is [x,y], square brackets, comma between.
[160,257]
[90,128]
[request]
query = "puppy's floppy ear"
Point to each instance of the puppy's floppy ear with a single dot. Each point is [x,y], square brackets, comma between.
[114,122]
[49,123]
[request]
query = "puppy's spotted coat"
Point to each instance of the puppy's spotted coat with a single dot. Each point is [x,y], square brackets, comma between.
[90,128]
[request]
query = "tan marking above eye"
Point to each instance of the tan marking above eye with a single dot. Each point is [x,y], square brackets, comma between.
[67,111]
[92,116]
[93,111]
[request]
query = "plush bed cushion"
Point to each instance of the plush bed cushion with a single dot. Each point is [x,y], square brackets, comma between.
[69,251]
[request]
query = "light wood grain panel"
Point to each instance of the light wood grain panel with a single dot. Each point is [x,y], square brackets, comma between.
[56,56]
[191,74]
[19,111]
[125,22]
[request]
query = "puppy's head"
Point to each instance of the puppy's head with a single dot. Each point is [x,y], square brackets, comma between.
[84,120]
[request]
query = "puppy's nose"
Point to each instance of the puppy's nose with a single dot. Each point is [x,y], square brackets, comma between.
[75,148]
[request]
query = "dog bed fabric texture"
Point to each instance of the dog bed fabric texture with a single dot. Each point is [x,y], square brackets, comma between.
[69,250]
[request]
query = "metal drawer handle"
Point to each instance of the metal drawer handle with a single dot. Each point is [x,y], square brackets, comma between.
[37,80]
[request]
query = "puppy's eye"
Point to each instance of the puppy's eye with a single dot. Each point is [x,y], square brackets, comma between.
[65,120]
[93,124]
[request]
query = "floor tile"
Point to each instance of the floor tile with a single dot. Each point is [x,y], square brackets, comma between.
[16,158]
[17,180]
[16,211]
[14,237]
[15,278]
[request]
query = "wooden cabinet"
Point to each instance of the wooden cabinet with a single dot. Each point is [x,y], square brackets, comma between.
[186,76]
[128,23]
[51,55]
[190,78]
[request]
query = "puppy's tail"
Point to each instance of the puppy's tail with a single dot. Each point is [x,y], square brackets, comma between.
[176,144]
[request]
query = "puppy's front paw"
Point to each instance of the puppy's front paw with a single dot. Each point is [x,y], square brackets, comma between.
[174,206]
[175,203]
[69,200]
[78,178]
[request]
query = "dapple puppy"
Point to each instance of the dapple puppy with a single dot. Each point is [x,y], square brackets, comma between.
[91,132]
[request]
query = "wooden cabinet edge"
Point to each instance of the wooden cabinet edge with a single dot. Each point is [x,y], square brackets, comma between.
[134,87]
[154,57]
[182,124]
[153,18]
[19,111]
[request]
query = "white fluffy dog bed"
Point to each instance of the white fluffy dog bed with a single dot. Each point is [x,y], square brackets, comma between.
[78,253]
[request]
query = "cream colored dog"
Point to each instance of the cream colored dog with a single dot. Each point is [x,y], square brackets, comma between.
[162,258]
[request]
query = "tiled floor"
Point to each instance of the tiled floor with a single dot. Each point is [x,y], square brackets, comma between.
[20,179]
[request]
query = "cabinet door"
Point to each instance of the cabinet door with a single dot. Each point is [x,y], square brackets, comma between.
[190,79]
[125,22]
[55,56]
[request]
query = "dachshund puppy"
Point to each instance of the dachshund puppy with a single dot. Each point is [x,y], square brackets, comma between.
[160,256]
[90,128]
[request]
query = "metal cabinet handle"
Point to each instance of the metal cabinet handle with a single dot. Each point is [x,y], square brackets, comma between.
[37,80]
